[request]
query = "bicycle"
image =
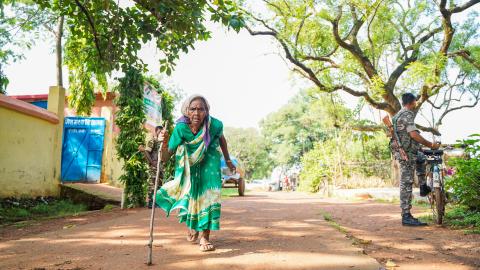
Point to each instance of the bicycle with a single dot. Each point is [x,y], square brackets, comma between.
[435,180]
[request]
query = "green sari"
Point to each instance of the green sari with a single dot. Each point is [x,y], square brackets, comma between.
[196,188]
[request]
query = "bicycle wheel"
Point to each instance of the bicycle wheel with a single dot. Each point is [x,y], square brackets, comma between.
[439,205]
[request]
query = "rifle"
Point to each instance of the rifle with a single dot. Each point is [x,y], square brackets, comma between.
[395,140]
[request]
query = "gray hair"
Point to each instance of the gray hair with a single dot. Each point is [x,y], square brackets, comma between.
[190,99]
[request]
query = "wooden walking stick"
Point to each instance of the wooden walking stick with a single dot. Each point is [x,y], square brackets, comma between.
[152,217]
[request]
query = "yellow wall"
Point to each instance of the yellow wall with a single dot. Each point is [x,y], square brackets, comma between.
[115,166]
[111,166]
[26,159]
[30,152]
[31,149]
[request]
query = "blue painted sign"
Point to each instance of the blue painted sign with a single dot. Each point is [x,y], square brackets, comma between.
[82,149]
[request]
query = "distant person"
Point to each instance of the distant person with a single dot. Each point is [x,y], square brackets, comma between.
[286,183]
[410,140]
[151,154]
[196,188]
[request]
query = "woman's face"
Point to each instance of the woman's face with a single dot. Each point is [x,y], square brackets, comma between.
[197,112]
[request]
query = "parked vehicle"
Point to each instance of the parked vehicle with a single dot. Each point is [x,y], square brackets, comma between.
[231,180]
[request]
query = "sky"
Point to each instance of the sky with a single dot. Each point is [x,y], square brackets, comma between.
[243,77]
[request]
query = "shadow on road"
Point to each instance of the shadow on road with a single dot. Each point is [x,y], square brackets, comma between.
[259,231]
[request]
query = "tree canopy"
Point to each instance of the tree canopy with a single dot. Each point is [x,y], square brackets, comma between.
[307,118]
[318,133]
[104,36]
[19,21]
[251,149]
[378,49]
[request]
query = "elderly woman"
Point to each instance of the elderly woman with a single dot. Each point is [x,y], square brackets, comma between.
[196,188]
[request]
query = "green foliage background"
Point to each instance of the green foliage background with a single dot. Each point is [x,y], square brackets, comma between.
[316,131]
[130,119]
[169,98]
[250,148]
[465,184]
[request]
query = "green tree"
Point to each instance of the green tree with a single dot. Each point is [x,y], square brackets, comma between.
[170,96]
[130,119]
[378,49]
[104,36]
[250,148]
[317,166]
[309,117]
[345,155]
[339,146]
[465,184]
[20,25]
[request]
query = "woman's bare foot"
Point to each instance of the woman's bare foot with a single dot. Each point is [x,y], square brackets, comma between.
[205,244]
[192,235]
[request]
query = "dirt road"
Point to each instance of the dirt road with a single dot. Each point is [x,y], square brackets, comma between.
[259,231]
[432,247]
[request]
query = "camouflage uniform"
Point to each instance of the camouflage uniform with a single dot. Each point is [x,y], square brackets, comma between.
[404,122]
[152,148]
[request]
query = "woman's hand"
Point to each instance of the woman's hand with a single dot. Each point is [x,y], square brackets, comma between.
[232,167]
[141,148]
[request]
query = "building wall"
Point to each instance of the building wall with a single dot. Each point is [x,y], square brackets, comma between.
[115,167]
[104,107]
[111,166]
[30,143]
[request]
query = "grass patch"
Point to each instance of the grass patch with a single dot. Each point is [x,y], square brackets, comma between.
[355,240]
[418,203]
[229,192]
[24,213]
[328,218]
[108,207]
[459,217]
[389,201]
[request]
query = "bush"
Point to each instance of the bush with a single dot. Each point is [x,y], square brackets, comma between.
[465,184]
[350,160]
[317,167]
[462,217]
[27,209]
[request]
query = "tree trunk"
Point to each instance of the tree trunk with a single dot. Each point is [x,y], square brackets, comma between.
[58,49]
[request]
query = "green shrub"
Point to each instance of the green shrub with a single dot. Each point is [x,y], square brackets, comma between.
[461,216]
[130,119]
[465,184]
[317,167]
[35,209]
[351,159]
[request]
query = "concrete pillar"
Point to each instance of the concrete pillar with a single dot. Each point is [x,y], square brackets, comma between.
[56,104]
[107,156]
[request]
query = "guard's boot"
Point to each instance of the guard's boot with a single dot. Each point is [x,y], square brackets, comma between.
[409,220]
[425,190]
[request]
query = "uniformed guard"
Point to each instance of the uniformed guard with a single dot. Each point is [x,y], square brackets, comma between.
[151,154]
[409,139]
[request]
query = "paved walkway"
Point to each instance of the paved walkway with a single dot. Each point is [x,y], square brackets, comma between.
[259,231]
[100,190]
